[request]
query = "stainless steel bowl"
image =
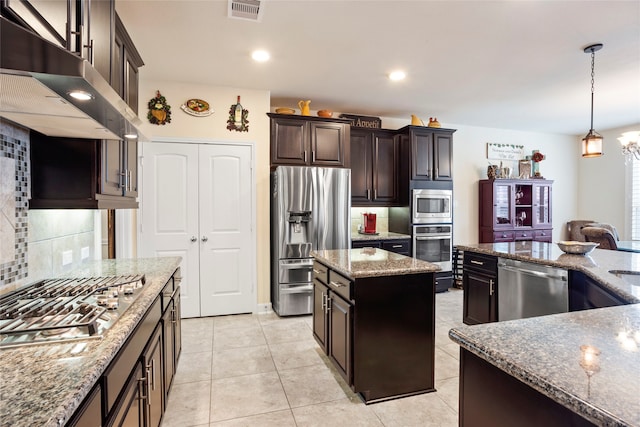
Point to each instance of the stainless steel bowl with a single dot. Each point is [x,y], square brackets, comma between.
[577,248]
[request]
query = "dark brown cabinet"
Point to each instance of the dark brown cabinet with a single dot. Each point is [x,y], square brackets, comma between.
[375,162]
[480,285]
[90,412]
[320,318]
[68,173]
[515,209]
[96,34]
[430,151]
[126,62]
[130,411]
[309,141]
[586,293]
[340,325]
[152,360]
[399,246]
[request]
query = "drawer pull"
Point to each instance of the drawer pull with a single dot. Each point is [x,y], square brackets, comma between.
[396,246]
[524,234]
[473,261]
[317,271]
[504,235]
[337,284]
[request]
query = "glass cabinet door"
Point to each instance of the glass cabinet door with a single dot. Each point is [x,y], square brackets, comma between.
[542,205]
[503,205]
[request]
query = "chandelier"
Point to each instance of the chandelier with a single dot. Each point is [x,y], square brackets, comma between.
[592,142]
[630,144]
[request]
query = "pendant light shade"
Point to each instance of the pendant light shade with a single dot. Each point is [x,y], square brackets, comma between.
[592,142]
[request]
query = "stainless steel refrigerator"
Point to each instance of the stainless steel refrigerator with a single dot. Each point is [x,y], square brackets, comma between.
[310,210]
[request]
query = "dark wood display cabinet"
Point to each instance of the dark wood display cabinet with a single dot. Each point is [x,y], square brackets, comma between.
[430,151]
[379,334]
[480,285]
[515,209]
[375,163]
[68,173]
[309,141]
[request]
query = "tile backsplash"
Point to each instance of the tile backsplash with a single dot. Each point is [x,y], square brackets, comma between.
[382,218]
[36,244]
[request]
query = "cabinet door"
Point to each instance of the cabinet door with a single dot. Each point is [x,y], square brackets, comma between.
[169,343]
[320,295]
[421,155]
[47,18]
[98,26]
[131,411]
[541,205]
[361,167]
[289,142]
[177,326]
[130,149]
[152,359]
[340,334]
[479,300]
[366,244]
[503,205]
[385,169]
[442,157]
[130,90]
[398,246]
[90,413]
[328,143]
[111,178]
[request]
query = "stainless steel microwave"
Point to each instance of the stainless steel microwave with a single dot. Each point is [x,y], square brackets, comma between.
[431,206]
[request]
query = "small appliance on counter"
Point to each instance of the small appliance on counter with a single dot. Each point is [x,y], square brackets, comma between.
[369,223]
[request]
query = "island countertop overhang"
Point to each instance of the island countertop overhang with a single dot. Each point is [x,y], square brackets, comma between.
[371,262]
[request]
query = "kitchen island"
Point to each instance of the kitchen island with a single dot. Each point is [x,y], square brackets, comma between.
[374,316]
[576,368]
[45,384]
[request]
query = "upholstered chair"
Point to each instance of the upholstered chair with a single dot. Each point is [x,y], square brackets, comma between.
[600,235]
[574,229]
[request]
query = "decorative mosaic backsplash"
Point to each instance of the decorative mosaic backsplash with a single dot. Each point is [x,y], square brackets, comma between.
[14,188]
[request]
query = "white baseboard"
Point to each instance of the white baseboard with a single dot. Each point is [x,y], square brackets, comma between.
[264,308]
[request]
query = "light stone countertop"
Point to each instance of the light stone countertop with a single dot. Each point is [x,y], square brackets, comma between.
[389,235]
[43,385]
[370,262]
[544,352]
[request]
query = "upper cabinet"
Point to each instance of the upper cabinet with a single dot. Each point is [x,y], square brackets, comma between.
[375,165]
[309,141]
[125,65]
[430,151]
[515,209]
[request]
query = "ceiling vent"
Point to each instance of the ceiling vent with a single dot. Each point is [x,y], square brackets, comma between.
[246,9]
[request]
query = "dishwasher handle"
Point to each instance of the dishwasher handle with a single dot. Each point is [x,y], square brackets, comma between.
[532,272]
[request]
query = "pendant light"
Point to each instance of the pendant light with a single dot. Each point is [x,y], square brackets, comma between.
[592,142]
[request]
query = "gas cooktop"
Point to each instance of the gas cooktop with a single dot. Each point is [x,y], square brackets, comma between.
[64,310]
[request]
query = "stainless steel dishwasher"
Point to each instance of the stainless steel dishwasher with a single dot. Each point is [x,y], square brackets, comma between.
[527,290]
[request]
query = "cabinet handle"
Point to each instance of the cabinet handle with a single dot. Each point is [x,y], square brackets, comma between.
[490,287]
[141,395]
[204,238]
[129,183]
[328,304]
[368,193]
[174,317]
[89,48]
[473,261]
[313,156]
[337,284]
[324,302]
[194,239]
[396,246]
[375,193]
[305,156]
[151,377]
[524,234]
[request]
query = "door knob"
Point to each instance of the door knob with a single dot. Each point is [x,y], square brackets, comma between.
[204,238]
[194,238]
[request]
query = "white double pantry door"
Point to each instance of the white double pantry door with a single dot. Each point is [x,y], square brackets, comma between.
[198,202]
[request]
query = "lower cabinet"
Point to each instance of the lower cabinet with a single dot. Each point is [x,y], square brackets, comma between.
[586,293]
[399,246]
[133,390]
[377,331]
[480,285]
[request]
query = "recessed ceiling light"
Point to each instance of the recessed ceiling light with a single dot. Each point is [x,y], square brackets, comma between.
[130,136]
[397,75]
[81,95]
[260,55]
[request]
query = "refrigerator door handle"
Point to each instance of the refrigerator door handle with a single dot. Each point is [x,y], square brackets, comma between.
[297,289]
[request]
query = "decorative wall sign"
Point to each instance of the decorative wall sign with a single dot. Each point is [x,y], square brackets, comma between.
[159,111]
[505,151]
[238,118]
[363,121]
[196,107]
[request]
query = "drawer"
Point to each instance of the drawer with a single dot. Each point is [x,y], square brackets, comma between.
[398,246]
[542,235]
[340,285]
[503,236]
[365,244]
[320,272]
[480,262]
[524,235]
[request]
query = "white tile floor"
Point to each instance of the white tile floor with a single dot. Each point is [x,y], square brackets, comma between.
[263,370]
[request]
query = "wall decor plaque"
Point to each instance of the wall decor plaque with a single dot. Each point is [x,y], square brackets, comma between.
[196,107]
[504,151]
[363,121]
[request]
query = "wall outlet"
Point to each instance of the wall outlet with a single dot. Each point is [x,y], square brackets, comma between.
[67,257]
[84,253]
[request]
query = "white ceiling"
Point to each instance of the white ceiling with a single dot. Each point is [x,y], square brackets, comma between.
[503,64]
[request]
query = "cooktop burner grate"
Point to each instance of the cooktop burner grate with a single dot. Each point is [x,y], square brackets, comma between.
[59,310]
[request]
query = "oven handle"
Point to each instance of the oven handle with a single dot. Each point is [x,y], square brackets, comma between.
[433,237]
[297,289]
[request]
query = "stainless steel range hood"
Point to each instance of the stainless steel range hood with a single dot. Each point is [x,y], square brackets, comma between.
[36,78]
